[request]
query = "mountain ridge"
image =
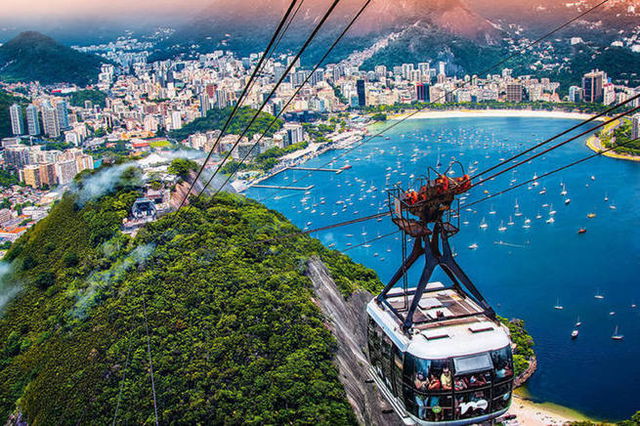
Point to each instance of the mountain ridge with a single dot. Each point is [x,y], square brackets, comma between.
[33,56]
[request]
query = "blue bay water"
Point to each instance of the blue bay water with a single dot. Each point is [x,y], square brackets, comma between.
[522,272]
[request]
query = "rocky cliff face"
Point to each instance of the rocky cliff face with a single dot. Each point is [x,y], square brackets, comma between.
[347,319]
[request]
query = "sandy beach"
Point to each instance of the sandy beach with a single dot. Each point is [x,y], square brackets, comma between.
[529,413]
[494,113]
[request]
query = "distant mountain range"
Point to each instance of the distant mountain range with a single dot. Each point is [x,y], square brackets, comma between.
[242,27]
[31,56]
[470,35]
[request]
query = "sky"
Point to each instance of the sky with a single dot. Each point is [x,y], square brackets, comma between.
[21,9]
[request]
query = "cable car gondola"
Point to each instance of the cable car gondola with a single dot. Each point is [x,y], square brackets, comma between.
[438,353]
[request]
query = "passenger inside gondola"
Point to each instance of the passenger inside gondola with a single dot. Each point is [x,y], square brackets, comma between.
[445,378]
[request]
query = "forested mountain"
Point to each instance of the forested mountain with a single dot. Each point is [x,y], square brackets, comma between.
[228,323]
[32,56]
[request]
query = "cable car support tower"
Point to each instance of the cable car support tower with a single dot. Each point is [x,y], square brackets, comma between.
[427,217]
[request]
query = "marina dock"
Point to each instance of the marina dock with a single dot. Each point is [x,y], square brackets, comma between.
[293,188]
[316,169]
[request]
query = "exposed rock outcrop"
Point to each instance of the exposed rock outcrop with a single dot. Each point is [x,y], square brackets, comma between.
[347,319]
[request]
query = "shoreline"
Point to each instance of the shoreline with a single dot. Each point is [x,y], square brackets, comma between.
[593,143]
[529,412]
[464,113]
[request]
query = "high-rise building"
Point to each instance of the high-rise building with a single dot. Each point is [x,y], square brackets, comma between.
[592,86]
[66,171]
[50,121]
[33,121]
[222,99]
[362,95]
[437,95]
[407,69]
[176,120]
[576,94]
[442,67]
[515,92]
[635,126]
[17,156]
[30,175]
[205,104]
[422,92]
[48,174]
[17,120]
[62,109]
[608,94]
[294,132]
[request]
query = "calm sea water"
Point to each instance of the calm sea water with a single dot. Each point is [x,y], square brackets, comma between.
[523,272]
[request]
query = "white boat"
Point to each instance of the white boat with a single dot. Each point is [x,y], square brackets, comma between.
[550,220]
[502,228]
[578,322]
[574,334]
[598,295]
[612,207]
[483,224]
[473,246]
[616,335]
[564,190]
[567,201]
[558,306]
[511,222]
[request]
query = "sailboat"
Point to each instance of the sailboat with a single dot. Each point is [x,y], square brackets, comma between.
[616,335]
[598,295]
[511,222]
[564,189]
[558,306]
[578,322]
[483,224]
[502,228]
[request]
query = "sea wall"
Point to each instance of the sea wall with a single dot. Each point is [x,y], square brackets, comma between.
[347,320]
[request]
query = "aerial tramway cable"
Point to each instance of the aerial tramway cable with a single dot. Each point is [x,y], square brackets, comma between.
[241,98]
[546,141]
[559,169]
[273,91]
[556,146]
[268,51]
[292,97]
[448,92]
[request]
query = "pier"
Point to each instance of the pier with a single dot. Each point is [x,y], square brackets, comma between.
[293,188]
[317,169]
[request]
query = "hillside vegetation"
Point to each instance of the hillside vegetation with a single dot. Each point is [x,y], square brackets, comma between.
[228,323]
[32,56]
[216,118]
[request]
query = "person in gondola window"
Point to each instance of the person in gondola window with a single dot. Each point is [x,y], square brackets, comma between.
[422,384]
[446,379]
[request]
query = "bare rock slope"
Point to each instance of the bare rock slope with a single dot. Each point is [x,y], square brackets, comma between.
[347,319]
